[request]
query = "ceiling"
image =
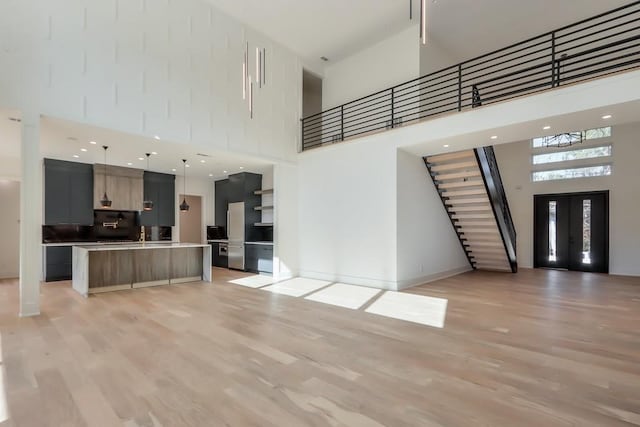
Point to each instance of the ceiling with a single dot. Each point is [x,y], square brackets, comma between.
[465,28]
[64,140]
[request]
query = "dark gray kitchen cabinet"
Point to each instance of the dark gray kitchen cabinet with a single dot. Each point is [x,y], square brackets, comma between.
[58,263]
[222,202]
[68,193]
[160,188]
[219,260]
[259,258]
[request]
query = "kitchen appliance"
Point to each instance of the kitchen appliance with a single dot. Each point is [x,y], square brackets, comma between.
[235,222]
[216,232]
[223,249]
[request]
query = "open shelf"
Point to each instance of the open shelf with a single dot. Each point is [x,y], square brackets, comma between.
[263,208]
[263,224]
[267,191]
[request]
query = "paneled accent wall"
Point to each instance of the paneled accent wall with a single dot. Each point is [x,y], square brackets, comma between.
[124,187]
[171,68]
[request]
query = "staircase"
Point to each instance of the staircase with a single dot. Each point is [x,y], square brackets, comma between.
[471,190]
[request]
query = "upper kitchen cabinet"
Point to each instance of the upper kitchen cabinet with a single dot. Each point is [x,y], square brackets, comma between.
[124,187]
[68,193]
[160,188]
[222,202]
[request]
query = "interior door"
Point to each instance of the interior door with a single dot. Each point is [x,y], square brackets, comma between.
[571,231]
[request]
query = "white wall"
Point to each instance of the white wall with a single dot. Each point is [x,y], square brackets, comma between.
[196,187]
[433,57]
[347,202]
[167,68]
[385,64]
[515,165]
[428,247]
[10,229]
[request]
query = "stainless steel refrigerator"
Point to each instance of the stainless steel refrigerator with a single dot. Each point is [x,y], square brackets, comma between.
[235,223]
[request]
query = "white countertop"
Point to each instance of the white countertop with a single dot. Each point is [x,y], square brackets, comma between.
[136,246]
[106,243]
[259,243]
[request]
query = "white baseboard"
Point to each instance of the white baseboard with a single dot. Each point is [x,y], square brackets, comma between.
[29,309]
[386,285]
[404,284]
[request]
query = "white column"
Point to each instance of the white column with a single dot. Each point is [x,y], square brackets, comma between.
[285,221]
[31,197]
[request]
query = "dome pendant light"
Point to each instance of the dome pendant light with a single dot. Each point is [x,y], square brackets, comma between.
[147,205]
[184,206]
[105,202]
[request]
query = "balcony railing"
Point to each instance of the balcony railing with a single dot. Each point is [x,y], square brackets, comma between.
[595,47]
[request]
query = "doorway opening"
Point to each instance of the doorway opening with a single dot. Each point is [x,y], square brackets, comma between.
[311,94]
[10,229]
[571,231]
[191,221]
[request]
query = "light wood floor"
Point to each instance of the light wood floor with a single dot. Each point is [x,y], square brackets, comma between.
[540,348]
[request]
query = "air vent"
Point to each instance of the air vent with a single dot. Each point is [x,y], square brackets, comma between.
[203,155]
[15,119]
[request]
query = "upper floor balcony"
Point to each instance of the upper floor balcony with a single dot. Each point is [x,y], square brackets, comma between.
[589,49]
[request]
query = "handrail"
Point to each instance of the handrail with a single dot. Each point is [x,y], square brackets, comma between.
[594,47]
[495,191]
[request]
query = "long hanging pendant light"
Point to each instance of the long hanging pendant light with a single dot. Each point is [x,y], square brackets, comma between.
[423,21]
[105,202]
[184,206]
[147,205]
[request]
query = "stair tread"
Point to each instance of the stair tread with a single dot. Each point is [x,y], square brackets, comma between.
[457,175]
[478,191]
[461,184]
[473,216]
[479,208]
[438,158]
[454,166]
[467,201]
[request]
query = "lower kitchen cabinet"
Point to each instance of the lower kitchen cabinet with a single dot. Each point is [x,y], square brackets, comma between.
[59,263]
[219,260]
[258,258]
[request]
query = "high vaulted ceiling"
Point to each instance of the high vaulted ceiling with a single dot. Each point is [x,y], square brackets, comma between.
[466,28]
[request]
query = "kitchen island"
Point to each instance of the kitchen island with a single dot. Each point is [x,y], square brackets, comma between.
[104,268]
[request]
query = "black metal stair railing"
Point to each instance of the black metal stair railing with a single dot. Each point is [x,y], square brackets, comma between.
[498,199]
[595,47]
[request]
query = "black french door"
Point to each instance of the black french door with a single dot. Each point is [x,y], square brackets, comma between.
[571,231]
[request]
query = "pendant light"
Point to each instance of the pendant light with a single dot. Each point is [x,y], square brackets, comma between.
[184,206]
[105,202]
[147,205]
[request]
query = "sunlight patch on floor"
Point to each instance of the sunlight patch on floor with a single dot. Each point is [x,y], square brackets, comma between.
[342,295]
[256,281]
[410,307]
[296,287]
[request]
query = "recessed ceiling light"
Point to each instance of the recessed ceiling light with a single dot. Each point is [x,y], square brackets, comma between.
[75,156]
[546,127]
[129,163]
[224,172]
[188,166]
[92,142]
[83,149]
[210,174]
[173,170]
[607,117]
[494,137]
[202,161]
[241,167]
[140,158]
[156,137]
[154,153]
[446,145]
